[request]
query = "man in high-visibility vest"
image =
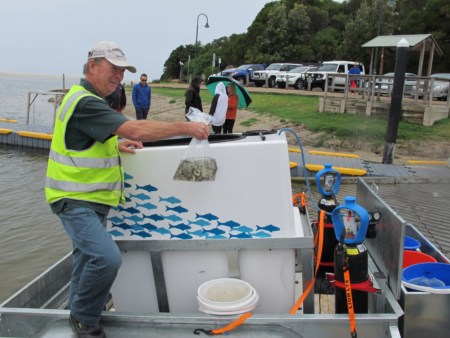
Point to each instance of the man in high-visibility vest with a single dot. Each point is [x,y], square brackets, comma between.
[85,178]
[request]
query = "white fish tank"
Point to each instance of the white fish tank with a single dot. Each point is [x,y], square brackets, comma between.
[241,211]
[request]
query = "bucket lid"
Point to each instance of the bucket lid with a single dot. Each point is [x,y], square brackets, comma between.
[411,243]
[429,277]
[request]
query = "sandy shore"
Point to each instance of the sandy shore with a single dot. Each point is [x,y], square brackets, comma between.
[167,109]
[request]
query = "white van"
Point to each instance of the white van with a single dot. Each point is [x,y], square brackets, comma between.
[318,76]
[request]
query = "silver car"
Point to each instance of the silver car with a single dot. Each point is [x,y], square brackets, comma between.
[384,85]
[293,77]
[441,86]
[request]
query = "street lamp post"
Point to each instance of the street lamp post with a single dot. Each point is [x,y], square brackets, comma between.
[196,31]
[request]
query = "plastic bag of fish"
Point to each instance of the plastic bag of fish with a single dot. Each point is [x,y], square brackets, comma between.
[197,165]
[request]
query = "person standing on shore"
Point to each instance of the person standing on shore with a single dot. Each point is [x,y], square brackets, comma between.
[118,99]
[233,101]
[218,108]
[142,98]
[85,179]
[192,95]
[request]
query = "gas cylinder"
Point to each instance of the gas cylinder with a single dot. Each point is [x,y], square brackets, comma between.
[328,181]
[350,222]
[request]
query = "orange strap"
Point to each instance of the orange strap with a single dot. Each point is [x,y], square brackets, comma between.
[348,294]
[310,285]
[299,199]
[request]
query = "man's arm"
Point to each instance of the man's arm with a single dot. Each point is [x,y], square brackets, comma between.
[144,130]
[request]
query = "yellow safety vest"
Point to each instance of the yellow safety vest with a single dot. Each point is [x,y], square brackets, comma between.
[94,174]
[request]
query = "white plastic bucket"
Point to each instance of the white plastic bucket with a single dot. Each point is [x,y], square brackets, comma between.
[226,296]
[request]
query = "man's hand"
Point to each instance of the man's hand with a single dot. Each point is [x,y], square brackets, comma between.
[199,130]
[128,146]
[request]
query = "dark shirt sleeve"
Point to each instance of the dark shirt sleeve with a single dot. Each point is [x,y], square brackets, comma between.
[93,120]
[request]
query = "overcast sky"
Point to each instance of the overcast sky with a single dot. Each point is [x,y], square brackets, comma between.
[54,36]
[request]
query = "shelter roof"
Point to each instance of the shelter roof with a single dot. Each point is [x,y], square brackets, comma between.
[415,42]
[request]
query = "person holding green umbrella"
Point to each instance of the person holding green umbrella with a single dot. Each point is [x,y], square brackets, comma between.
[233,102]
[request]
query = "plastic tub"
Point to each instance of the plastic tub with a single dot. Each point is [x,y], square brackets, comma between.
[416,257]
[429,277]
[411,243]
[226,296]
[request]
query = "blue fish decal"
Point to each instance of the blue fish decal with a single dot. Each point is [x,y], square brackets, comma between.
[162,231]
[140,196]
[123,226]
[243,229]
[132,210]
[270,228]
[149,226]
[119,208]
[181,236]
[198,233]
[115,233]
[127,199]
[147,187]
[127,185]
[209,216]
[200,222]
[127,176]
[179,209]
[261,234]
[148,206]
[142,234]
[241,235]
[115,219]
[181,226]
[171,200]
[214,231]
[135,218]
[137,227]
[230,224]
[173,218]
[156,217]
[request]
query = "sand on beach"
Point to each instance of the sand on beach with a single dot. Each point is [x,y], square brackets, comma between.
[165,109]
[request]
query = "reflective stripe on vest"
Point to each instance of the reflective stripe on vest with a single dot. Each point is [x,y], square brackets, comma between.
[84,162]
[93,174]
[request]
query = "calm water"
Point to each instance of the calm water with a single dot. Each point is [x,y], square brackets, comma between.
[31,237]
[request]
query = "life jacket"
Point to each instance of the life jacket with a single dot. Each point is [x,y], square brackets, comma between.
[93,174]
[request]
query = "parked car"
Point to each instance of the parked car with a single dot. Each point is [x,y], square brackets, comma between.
[293,77]
[240,73]
[318,76]
[440,86]
[385,85]
[271,72]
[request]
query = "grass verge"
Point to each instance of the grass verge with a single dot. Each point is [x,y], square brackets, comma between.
[303,110]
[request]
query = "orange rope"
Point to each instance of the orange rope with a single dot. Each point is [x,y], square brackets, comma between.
[233,325]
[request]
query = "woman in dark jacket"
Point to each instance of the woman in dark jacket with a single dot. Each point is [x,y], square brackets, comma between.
[192,95]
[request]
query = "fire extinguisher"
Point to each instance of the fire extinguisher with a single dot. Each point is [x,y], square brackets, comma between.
[328,181]
[351,272]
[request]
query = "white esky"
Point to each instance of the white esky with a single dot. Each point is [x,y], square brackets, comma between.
[53,37]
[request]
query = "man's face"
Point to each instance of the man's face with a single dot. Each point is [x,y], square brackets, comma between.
[104,76]
[143,80]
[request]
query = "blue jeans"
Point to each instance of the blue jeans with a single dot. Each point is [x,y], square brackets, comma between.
[96,260]
[141,112]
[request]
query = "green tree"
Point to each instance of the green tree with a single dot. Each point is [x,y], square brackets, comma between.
[364,27]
